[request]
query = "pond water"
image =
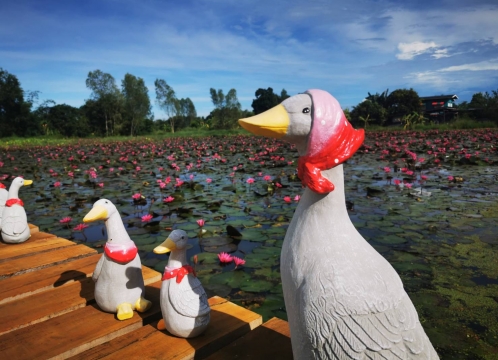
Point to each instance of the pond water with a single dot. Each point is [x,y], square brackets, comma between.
[437,226]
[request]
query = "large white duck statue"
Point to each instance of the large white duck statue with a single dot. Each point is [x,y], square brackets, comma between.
[343,299]
[14,224]
[4,195]
[119,283]
[184,304]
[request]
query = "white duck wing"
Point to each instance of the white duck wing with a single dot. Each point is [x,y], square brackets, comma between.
[188,297]
[391,334]
[15,221]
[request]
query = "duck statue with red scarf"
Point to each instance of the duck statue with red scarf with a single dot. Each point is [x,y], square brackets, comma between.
[184,304]
[119,283]
[14,224]
[343,299]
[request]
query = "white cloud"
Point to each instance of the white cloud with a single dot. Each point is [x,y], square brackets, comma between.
[440,53]
[409,50]
[480,66]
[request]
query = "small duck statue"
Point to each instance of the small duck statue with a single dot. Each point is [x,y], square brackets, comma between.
[119,284]
[343,299]
[4,195]
[14,224]
[184,304]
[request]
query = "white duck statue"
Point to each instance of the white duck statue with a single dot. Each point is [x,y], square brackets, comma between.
[119,283]
[14,225]
[343,299]
[4,195]
[184,303]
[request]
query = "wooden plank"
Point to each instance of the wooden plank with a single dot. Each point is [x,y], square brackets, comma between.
[49,304]
[33,247]
[34,238]
[20,286]
[72,333]
[269,341]
[228,322]
[35,262]
[33,228]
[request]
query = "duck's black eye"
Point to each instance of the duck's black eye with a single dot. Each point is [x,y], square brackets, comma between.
[306,110]
[183,237]
[107,202]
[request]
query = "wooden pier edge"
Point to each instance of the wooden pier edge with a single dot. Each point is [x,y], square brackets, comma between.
[48,311]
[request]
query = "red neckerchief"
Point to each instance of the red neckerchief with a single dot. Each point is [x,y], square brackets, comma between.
[179,273]
[2,186]
[339,148]
[11,202]
[121,256]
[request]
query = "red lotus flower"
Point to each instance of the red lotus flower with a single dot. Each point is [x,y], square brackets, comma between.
[201,222]
[250,181]
[136,196]
[287,199]
[80,227]
[169,199]
[57,184]
[65,220]
[225,258]
[238,261]
[396,182]
[147,218]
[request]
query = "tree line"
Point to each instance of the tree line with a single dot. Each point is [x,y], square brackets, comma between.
[113,110]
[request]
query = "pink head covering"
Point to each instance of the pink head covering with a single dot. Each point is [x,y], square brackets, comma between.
[331,142]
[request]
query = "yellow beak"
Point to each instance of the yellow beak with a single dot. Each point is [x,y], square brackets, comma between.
[272,123]
[167,246]
[98,212]
[28,182]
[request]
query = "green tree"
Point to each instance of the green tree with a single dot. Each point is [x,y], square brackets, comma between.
[137,102]
[402,102]
[227,109]
[106,93]
[370,110]
[67,121]
[266,99]
[166,99]
[15,111]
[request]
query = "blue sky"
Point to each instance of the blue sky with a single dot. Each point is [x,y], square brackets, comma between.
[347,48]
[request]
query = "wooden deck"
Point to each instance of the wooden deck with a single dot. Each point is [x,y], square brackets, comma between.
[47,311]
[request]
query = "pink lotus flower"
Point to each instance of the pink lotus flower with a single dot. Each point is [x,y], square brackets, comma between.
[297,197]
[250,181]
[396,182]
[225,258]
[238,261]
[208,180]
[408,185]
[65,220]
[169,199]
[387,170]
[287,199]
[423,177]
[278,185]
[451,178]
[57,184]
[201,222]
[147,218]
[409,172]
[70,174]
[136,196]
[267,178]
[80,227]
[101,185]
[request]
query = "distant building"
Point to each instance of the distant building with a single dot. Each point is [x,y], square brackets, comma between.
[439,108]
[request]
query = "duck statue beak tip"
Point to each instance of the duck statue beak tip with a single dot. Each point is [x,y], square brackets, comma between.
[167,246]
[97,213]
[272,123]
[27,182]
